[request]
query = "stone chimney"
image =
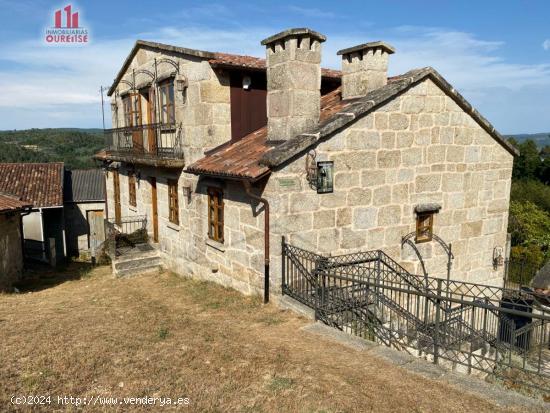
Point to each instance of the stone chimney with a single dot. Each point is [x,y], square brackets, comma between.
[293,82]
[364,68]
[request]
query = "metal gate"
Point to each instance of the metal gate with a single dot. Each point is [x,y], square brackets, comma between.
[468,327]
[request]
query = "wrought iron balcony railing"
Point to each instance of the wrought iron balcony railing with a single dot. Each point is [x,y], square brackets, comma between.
[156,140]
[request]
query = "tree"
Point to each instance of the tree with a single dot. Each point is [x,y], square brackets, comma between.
[528,164]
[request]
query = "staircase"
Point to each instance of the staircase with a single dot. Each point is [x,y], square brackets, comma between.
[142,259]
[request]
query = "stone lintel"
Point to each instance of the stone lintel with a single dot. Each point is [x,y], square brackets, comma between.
[368,46]
[426,208]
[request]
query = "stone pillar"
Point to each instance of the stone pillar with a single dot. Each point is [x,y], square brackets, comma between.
[364,68]
[293,82]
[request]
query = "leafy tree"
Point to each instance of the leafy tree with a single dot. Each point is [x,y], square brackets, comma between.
[529,226]
[528,164]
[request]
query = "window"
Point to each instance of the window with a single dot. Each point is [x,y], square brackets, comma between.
[132,189]
[215,214]
[424,227]
[173,206]
[131,104]
[167,108]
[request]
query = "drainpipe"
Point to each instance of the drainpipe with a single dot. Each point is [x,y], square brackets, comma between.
[26,212]
[264,201]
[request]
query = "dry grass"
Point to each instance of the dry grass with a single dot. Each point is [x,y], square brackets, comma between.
[166,336]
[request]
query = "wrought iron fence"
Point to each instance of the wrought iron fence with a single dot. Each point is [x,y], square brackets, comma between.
[469,327]
[162,140]
[519,273]
[126,232]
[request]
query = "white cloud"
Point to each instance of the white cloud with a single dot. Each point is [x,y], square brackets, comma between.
[66,80]
[312,12]
[546,44]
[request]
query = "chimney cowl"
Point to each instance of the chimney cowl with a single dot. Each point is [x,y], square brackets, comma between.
[364,68]
[368,46]
[303,31]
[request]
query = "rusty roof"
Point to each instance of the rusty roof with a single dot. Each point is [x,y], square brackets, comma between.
[41,184]
[240,159]
[84,185]
[256,63]
[251,157]
[11,203]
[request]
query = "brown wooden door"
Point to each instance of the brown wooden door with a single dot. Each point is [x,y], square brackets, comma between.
[116,183]
[248,106]
[155,210]
[151,133]
[137,134]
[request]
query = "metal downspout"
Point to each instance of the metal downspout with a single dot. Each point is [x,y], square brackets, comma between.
[248,188]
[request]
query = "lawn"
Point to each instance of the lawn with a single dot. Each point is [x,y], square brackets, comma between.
[85,334]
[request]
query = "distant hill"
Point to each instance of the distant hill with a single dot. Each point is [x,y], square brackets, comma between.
[541,139]
[73,146]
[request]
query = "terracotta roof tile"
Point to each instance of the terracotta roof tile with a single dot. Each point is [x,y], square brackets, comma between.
[38,183]
[10,203]
[240,159]
[255,63]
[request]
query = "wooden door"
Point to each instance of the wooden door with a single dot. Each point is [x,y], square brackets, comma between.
[155,210]
[248,106]
[137,133]
[151,132]
[96,233]
[116,183]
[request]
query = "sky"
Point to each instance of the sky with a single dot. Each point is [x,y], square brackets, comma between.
[496,53]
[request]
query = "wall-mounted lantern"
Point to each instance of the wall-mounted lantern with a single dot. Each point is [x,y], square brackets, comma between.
[498,257]
[247,82]
[325,177]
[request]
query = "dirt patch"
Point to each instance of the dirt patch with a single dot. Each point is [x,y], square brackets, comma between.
[165,336]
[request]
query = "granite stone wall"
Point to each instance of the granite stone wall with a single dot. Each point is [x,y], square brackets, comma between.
[419,148]
[11,259]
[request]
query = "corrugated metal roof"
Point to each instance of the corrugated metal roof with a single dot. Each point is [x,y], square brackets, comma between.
[38,183]
[83,185]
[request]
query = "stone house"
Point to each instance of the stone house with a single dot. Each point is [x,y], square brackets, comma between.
[11,239]
[84,202]
[40,184]
[226,154]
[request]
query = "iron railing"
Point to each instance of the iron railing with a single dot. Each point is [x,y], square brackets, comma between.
[125,232]
[519,273]
[161,140]
[469,327]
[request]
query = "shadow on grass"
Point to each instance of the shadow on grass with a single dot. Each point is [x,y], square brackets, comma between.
[38,276]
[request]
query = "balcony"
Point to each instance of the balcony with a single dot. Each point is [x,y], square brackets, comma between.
[157,144]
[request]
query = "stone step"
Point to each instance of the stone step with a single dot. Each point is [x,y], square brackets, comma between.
[136,255]
[137,263]
[145,269]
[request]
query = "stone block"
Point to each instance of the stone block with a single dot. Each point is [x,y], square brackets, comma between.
[405,139]
[372,177]
[324,218]
[428,183]
[359,196]
[382,195]
[389,159]
[455,154]
[452,182]
[346,179]
[351,239]
[343,217]
[471,229]
[388,140]
[412,156]
[364,217]
[304,201]
[398,121]
[359,139]
[213,92]
[389,215]
[381,121]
